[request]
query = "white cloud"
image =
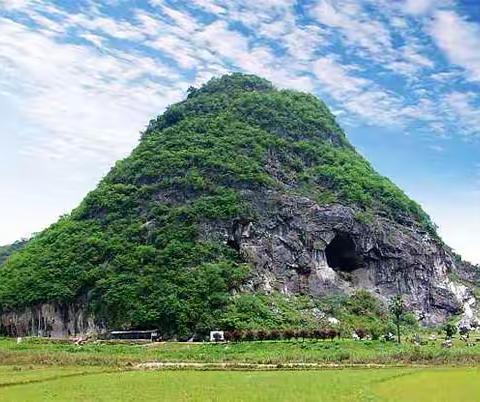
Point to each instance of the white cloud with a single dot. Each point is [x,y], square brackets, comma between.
[358,95]
[358,28]
[459,39]
[418,7]
[209,6]
[462,108]
[113,28]
[233,46]
[367,34]
[217,43]
[336,78]
[16,4]
[445,76]
[412,54]
[82,103]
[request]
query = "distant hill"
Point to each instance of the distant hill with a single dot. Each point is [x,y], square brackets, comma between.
[9,249]
[236,201]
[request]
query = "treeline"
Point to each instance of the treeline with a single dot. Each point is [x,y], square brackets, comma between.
[285,334]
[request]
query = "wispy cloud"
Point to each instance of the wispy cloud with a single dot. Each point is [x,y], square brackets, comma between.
[79,101]
[358,95]
[459,39]
[462,108]
[419,7]
[357,27]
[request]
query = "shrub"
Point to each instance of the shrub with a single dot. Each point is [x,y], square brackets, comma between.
[319,334]
[303,333]
[450,329]
[249,335]
[288,334]
[376,331]
[332,333]
[363,303]
[361,332]
[236,336]
[262,335]
[274,334]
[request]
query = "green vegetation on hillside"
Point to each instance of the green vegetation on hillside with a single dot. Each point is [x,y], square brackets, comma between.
[133,250]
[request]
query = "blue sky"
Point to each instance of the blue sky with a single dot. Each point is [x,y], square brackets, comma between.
[80,79]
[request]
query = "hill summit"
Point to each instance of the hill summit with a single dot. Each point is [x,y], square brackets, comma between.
[236,196]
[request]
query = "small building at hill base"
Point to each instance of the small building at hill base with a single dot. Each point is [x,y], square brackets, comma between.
[217,336]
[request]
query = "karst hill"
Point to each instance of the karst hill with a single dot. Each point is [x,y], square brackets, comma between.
[237,199]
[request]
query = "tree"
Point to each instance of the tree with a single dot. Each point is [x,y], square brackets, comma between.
[397,309]
[191,90]
[450,329]
[288,334]
[361,333]
[261,335]
[303,333]
[274,334]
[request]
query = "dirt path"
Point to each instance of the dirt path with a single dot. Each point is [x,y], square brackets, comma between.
[260,366]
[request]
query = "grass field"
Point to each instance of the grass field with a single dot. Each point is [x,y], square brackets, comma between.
[455,384]
[45,370]
[345,351]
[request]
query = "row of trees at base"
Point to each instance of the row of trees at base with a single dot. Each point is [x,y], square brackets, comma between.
[361,302]
[286,334]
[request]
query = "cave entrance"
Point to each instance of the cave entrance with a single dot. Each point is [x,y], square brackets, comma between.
[342,254]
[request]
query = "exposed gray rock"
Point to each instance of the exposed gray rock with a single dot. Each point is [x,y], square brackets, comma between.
[297,246]
[468,272]
[50,320]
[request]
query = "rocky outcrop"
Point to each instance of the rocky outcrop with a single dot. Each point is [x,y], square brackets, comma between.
[468,272]
[297,246]
[50,320]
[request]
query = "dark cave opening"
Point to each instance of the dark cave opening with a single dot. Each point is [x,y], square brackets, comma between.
[342,254]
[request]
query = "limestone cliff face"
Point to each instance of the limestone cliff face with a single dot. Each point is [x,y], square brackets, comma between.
[298,246]
[50,320]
